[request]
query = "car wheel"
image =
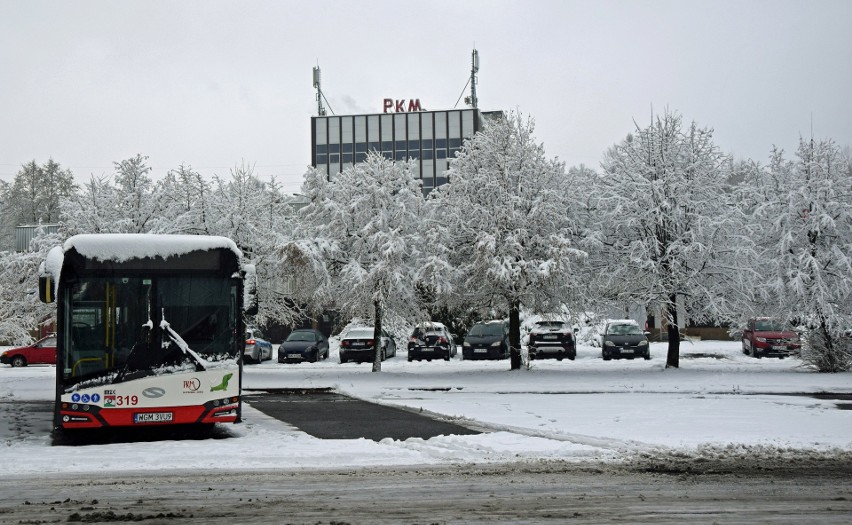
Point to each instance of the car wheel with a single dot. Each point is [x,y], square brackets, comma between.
[648,356]
[447,357]
[606,357]
[315,357]
[19,361]
[745,350]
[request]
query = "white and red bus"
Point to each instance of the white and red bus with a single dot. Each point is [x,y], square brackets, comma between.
[149,329]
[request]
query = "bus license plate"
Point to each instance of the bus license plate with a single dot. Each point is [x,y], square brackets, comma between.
[153,417]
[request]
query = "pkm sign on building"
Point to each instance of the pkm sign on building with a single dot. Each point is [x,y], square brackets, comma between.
[402,106]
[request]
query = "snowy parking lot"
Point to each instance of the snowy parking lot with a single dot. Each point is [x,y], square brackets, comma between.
[718,403]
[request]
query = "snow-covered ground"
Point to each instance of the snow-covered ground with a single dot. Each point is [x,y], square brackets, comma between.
[718,402]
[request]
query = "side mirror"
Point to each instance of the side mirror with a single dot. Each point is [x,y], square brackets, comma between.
[45,289]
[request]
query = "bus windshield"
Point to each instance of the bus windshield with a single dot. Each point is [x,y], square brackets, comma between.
[128,327]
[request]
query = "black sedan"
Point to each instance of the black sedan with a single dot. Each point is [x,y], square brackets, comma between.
[624,340]
[357,345]
[304,344]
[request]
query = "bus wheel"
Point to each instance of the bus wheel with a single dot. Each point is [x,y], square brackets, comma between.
[19,361]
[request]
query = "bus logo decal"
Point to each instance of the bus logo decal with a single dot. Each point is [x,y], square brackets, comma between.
[191,385]
[223,385]
[153,392]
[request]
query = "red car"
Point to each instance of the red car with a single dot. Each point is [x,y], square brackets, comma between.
[767,336]
[42,352]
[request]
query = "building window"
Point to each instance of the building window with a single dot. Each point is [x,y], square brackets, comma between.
[322,149]
[375,146]
[440,154]
[334,159]
[387,146]
[360,147]
[347,158]
[334,148]
[360,157]
[346,148]
[427,154]
[322,159]
[400,155]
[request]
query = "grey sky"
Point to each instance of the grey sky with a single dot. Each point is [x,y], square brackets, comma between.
[212,84]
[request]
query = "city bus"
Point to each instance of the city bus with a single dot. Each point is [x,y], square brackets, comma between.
[149,329]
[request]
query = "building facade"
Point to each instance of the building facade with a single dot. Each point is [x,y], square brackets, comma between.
[430,137]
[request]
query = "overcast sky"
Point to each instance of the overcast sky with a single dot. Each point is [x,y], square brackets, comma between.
[212,84]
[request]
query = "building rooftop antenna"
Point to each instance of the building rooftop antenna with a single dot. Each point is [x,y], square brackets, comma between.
[320,95]
[472,101]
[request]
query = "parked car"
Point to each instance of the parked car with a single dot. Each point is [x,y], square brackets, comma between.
[357,345]
[304,344]
[623,339]
[431,341]
[552,339]
[257,348]
[487,340]
[42,352]
[767,336]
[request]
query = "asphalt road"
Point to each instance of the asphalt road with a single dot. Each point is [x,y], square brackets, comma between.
[327,415]
[514,493]
[646,489]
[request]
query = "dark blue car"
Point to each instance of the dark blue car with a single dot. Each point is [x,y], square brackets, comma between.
[304,344]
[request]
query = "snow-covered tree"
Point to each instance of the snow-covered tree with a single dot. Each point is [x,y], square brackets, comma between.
[503,224]
[357,244]
[127,202]
[254,214]
[20,309]
[33,197]
[185,204]
[804,218]
[670,233]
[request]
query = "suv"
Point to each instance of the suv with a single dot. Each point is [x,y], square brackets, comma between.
[767,336]
[552,339]
[487,340]
[624,339]
[431,341]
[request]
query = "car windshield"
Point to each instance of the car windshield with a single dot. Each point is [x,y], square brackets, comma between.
[771,325]
[487,329]
[360,333]
[624,329]
[302,336]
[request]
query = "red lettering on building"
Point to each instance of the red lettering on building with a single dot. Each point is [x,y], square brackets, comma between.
[399,105]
